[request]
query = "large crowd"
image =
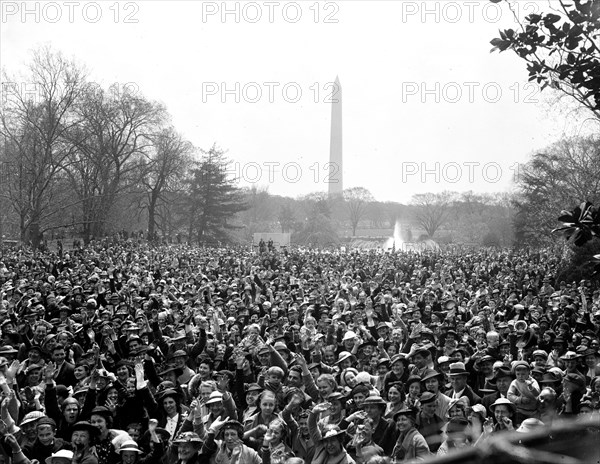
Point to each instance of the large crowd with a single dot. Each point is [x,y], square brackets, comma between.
[127,353]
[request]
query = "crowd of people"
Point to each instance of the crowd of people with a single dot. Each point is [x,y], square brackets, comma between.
[125,352]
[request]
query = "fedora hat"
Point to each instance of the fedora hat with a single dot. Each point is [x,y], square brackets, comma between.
[457,368]
[501,372]
[332,431]
[431,375]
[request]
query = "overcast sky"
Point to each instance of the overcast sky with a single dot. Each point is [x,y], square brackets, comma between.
[426,107]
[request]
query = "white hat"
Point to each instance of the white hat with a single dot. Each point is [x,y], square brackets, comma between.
[65,454]
[129,445]
[529,425]
[349,335]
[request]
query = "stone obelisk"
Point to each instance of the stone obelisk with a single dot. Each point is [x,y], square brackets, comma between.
[336,185]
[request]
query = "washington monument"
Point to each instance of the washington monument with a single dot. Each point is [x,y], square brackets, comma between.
[336,185]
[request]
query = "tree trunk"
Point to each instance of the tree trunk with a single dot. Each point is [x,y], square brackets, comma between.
[151,218]
[35,234]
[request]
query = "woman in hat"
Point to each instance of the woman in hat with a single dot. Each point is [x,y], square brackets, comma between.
[413,391]
[83,438]
[131,453]
[399,372]
[102,419]
[170,412]
[188,446]
[247,400]
[231,449]
[395,396]
[219,405]
[503,411]
[410,444]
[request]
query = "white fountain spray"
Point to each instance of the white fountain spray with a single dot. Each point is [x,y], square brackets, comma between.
[396,240]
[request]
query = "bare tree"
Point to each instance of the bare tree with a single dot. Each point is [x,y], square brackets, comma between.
[163,172]
[357,200]
[116,131]
[431,210]
[33,128]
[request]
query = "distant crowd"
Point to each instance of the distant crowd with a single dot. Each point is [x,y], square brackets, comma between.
[126,352]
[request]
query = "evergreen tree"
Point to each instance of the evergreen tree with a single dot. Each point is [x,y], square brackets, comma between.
[213,198]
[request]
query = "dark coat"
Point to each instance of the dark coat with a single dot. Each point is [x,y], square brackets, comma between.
[65,375]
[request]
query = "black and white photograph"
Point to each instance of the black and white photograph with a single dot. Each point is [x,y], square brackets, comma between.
[300,232]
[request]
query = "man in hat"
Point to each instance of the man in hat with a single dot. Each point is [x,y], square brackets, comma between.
[422,359]
[458,379]
[501,381]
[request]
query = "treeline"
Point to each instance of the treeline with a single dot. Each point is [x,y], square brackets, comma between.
[315,219]
[86,160]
